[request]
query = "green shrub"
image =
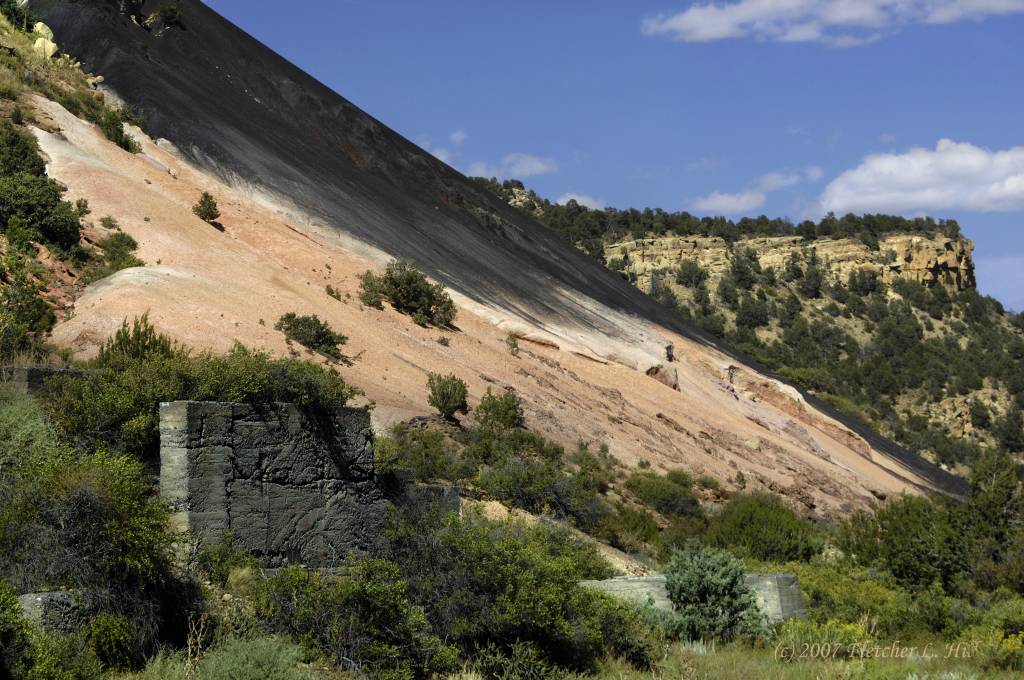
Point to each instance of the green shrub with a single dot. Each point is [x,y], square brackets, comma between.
[112,640]
[24,431]
[112,125]
[483,582]
[118,254]
[363,620]
[763,527]
[219,558]
[503,411]
[691,274]
[663,494]
[447,394]
[118,404]
[518,661]
[139,341]
[16,14]
[512,344]
[852,595]
[920,541]
[206,209]
[710,599]
[37,201]
[61,657]
[312,333]
[15,642]
[409,292]
[424,452]
[19,152]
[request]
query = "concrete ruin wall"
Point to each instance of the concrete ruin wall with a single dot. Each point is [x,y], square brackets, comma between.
[31,380]
[778,595]
[292,487]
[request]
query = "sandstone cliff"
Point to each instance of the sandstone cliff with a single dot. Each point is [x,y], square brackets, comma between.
[937,260]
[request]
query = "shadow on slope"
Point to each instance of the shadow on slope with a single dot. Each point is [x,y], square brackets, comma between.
[232,105]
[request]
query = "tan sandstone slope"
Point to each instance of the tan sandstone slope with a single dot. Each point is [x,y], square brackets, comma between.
[209,288]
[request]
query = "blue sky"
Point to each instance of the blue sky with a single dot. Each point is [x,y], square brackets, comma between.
[738,107]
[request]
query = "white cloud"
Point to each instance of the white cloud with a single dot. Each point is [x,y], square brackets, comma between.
[815,173]
[952,176]
[729,204]
[516,166]
[582,199]
[755,196]
[774,181]
[459,137]
[842,23]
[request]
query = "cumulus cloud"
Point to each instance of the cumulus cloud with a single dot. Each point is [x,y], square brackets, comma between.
[459,137]
[756,195]
[517,166]
[952,176]
[730,204]
[442,154]
[842,23]
[582,199]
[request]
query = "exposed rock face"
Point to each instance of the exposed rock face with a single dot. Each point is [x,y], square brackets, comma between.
[290,486]
[932,261]
[56,612]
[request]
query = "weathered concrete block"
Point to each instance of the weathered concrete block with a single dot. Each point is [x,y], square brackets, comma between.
[290,485]
[32,379]
[778,595]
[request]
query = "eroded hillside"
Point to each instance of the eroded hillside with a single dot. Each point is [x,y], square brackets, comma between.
[599,361]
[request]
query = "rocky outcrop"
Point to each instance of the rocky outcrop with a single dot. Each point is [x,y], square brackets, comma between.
[936,260]
[290,486]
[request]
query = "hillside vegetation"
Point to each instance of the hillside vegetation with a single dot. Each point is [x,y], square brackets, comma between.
[443,595]
[935,366]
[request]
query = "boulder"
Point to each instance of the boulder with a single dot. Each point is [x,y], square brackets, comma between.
[45,48]
[42,30]
[56,612]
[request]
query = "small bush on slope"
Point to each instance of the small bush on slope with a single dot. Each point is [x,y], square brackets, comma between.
[267,658]
[409,292]
[37,201]
[447,394]
[118,254]
[206,209]
[312,333]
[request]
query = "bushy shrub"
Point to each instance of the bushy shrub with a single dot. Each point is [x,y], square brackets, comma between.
[219,558]
[206,209]
[112,640]
[15,643]
[424,452]
[663,494]
[19,152]
[363,620]
[504,411]
[920,541]
[447,394]
[91,523]
[37,201]
[691,274]
[517,661]
[483,582]
[710,599]
[118,254]
[312,333]
[763,527]
[409,292]
[117,405]
[112,125]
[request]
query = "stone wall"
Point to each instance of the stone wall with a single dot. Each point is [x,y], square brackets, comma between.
[291,487]
[32,379]
[778,595]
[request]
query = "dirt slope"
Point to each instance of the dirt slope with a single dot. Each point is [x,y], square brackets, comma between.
[313,192]
[209,288]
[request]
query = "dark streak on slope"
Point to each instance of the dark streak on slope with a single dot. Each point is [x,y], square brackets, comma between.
[234,106]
